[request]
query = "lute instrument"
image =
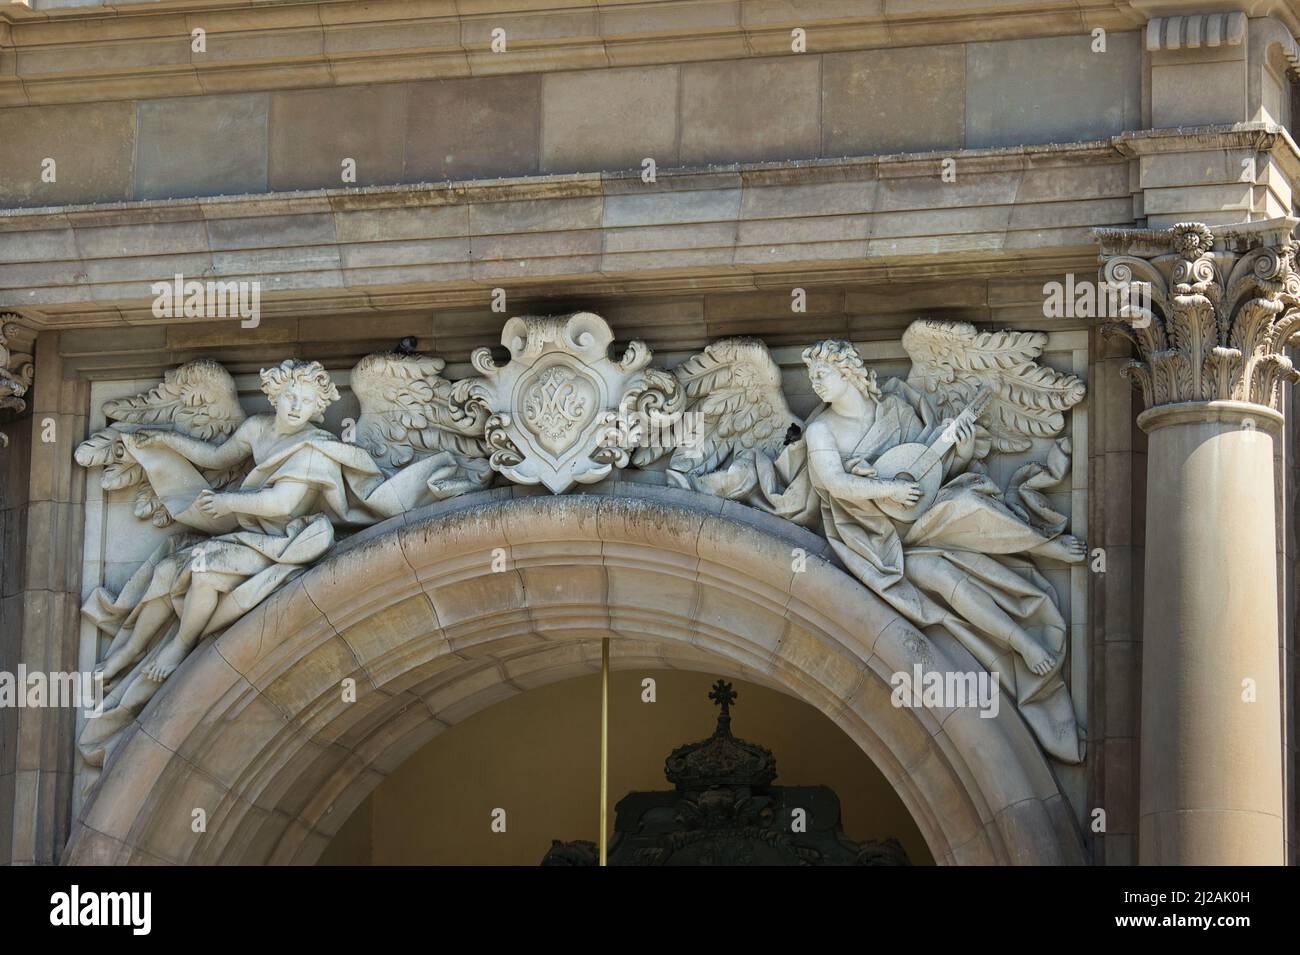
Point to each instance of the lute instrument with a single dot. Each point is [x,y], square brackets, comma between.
[923,463]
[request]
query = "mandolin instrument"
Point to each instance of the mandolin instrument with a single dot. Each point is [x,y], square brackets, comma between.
[923,463]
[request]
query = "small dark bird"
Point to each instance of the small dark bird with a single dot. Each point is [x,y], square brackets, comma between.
[407,345]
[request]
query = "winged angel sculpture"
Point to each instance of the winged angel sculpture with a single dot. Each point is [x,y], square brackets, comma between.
[895,475]
[260,497]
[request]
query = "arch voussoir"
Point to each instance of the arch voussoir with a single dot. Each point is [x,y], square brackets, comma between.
[434,625]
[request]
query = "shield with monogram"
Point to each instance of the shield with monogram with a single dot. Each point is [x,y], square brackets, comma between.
[562,411]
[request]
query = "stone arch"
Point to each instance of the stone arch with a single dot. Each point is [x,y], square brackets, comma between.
[254,730]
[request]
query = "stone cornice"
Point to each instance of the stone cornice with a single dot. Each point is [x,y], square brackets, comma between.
[1190,32]
[1260,138]
[127,51]
[726,227]
[1287,11]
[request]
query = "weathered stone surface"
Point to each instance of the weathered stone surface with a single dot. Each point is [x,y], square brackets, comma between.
[1187,91]
[588,119]
[313,131]
[746,111]
[201,146]
[91,145]
[888,101]
[472,129]
[1053,89]
[461,691]
[696,255]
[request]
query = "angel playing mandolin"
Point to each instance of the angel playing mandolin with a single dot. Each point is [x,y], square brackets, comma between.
[893,475]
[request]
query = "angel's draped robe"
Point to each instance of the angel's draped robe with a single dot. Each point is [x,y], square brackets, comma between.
[245,566]
[968,527]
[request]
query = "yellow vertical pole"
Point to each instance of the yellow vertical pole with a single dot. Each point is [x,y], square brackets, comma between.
[604,748]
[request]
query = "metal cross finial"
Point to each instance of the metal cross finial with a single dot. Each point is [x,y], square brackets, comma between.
[723,695]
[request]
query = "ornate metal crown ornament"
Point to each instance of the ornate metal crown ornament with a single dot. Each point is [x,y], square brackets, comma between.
[722,760]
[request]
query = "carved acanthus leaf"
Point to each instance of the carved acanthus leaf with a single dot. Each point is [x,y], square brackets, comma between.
[16,374]
[1223,309]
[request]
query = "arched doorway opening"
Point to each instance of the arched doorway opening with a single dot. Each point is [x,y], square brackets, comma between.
[445,611]
[533,760]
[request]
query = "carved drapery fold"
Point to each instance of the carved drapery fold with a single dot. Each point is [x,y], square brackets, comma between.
[1222,309]
[266,493]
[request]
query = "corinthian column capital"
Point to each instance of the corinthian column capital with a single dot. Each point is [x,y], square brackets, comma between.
[1209,313]
[15,374]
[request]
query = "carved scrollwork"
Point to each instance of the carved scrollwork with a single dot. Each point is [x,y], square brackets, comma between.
[558,411]
[1223,309]
[262,496]
[16,374]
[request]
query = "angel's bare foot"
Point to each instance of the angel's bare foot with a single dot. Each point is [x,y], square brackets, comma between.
[165,663]
[1038,660]
[160,671]
[1065,548]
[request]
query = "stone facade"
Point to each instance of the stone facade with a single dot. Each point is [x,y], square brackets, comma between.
[472,269]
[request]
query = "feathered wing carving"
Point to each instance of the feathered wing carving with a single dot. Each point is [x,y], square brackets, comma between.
[952,361]
[198,399]
[736,386]
[407,412]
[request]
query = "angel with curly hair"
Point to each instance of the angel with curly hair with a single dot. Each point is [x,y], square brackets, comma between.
[936,538]
[269,529]
[896,475]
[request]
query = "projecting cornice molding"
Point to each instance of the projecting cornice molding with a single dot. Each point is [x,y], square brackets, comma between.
[79,54]
[1196,31]
[744,225]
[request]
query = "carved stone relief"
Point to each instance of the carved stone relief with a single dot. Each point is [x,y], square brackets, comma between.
[16,373]
[895,473]
[552,413]
[1223,309]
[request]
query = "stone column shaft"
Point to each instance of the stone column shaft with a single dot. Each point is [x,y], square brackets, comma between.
[1210,317]
[1211,766]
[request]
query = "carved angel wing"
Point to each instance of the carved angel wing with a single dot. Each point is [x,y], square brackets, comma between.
[198,399]
[736,386]
[951,361]
[406,411]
